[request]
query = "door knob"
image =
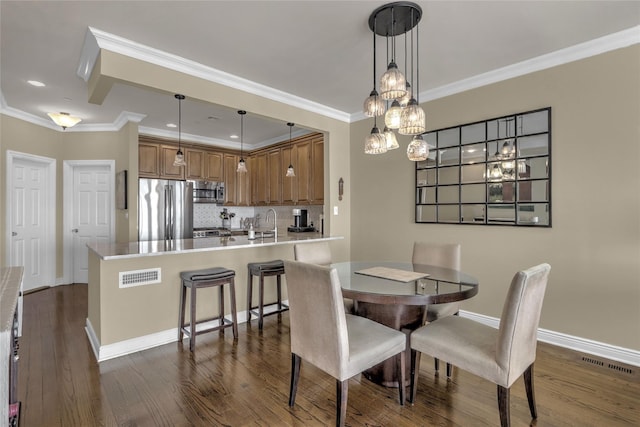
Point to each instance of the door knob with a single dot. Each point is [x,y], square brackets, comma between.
[13,233]
[74,230]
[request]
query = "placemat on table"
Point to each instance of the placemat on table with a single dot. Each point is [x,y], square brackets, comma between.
[392,274]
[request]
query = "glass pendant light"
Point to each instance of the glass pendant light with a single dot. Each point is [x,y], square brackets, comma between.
[404,101]
[418,149]
[242,167]
[393,83]
[375,143]
[393,115]
[390,137]
[412,119]
[373,105]
[179,159]
[290,172]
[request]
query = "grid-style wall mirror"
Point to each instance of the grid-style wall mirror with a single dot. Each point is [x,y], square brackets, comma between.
[493,172]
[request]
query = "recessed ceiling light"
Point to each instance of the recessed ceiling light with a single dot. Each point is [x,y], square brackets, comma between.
[172,125]
[35,83]
[234,136]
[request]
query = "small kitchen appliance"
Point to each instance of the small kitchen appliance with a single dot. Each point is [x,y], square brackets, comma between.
[300,219]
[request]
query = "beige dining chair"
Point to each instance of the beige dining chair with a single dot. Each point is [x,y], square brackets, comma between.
[317,253]
[446,255]
[499,355]
[342,345]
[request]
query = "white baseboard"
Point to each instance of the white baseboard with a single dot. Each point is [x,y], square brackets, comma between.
[582,345]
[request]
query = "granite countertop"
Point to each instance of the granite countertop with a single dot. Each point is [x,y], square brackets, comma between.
[10,281]
[109,251]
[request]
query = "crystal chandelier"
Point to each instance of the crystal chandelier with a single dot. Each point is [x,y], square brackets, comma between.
[404,113]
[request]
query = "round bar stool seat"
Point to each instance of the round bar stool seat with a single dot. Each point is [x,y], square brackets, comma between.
[262,270]
[196,279]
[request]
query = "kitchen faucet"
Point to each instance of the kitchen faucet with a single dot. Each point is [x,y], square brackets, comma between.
[275,221]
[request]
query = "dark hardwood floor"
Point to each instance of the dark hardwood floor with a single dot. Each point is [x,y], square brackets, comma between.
[247,383]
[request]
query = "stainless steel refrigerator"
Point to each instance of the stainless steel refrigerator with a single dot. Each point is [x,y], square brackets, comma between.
[165,209]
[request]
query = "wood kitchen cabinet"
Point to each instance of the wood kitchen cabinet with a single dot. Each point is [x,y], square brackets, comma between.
[276,176]
[317,170]
[260,179]
[213,166]
[289,184]
[167,156]
[237,189]
[148,160]
[195,168]
[302,166]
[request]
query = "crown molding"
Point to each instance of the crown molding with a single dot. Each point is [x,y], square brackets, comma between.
[577,52]
[96,39]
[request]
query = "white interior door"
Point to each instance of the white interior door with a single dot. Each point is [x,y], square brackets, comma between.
[31,217]
[92,215]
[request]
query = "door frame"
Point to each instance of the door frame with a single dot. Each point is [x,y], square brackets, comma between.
[68,167]
[49,220]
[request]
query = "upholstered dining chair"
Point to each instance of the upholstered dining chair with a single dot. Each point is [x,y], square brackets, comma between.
[499,355]
[446,255]
[317,253]
[340,344]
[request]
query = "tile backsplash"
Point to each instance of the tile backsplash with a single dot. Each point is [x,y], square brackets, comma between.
[208,215]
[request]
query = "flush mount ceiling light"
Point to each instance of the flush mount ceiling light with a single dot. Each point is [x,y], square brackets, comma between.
[242,167]
[179,159]
[290,172]
[64,120]
[404,114]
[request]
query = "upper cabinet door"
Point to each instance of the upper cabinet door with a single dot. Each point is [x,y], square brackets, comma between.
[289,184]
[317,171]
[195,164]
[302,167]
[275,177]
[167,170]
[213,166]
[148,160]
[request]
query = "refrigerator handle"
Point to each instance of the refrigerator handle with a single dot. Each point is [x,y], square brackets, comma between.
[167,212]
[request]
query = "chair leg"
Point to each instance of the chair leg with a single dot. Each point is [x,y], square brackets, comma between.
[295,374]
[261,301]
[449,370]
[249,294]
[342,391]
[192,316]
[221,308]
[503,406]
[436,364]
[234,313]
[183,291]
[415,370]
[400,375]
[531,397]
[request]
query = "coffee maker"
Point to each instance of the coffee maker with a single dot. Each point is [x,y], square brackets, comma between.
[300,219]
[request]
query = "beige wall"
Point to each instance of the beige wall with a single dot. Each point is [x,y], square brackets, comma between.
[594,245]
[24,137]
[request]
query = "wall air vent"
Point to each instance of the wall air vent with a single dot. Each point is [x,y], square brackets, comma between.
[608,365]
[149,276]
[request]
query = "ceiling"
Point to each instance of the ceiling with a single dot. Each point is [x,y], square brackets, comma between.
[318,51]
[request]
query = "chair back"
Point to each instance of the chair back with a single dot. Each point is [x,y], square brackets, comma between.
[313,253]
[446,255]
[517,335]
[318,325]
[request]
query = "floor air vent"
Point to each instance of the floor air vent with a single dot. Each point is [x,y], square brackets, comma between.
[129,279]
[607,365]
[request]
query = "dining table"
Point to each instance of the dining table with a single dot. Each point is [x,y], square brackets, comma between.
[397,294]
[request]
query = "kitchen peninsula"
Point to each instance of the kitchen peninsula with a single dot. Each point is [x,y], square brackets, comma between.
[134,287]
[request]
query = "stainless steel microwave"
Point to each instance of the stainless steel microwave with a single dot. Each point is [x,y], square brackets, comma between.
[208,192]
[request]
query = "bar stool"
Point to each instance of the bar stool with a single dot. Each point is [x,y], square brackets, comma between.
[262,270]
[197,279]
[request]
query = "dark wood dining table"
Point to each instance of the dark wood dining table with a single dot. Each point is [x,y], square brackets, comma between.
[394,294]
